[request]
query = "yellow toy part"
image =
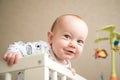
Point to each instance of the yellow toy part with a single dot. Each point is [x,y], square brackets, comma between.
[100,53]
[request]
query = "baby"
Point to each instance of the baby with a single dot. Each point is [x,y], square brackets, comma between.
[65,42]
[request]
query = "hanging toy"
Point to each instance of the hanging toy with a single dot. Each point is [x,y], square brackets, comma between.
[100,53]
[116,46]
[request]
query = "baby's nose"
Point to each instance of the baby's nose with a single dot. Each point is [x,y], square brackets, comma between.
[72,44]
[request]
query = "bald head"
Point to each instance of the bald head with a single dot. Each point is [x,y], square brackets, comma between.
[68,19]
[61,18]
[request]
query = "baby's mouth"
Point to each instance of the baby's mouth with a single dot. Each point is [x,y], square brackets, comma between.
[69,52]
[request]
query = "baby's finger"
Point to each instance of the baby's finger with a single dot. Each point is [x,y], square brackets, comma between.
[72,70]
[11,60]
[16,58]
[5,56]
[8,57]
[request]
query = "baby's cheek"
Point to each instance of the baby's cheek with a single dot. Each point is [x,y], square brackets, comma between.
[77,55]
[80,50]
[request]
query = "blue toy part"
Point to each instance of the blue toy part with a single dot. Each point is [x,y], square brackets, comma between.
[116,42]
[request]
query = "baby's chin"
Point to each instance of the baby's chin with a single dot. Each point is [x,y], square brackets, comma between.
[69,57]
[75,57]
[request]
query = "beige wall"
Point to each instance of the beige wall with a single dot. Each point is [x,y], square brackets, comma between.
[29,20]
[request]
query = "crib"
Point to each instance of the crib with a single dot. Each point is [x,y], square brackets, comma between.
[38,67]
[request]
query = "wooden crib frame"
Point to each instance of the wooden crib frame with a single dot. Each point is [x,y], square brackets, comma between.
[38,67]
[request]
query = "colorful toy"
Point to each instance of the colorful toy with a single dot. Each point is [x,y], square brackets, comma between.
[114,38]
[100,53]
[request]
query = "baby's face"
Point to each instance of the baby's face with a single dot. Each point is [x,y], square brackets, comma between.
[68,38]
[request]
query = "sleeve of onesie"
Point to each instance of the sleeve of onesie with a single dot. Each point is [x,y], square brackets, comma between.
[28,48]
[19,47]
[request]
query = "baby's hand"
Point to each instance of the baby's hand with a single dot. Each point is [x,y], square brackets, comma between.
[72,70]
[11,58]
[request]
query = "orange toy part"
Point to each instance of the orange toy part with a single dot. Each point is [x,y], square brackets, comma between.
[113,78]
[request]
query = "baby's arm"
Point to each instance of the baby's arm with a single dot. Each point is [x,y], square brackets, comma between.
[21,49]
[13,53]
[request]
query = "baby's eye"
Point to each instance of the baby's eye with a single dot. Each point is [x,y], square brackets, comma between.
[80,41]
[67,36]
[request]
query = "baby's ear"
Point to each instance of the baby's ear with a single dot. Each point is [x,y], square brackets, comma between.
[50,36]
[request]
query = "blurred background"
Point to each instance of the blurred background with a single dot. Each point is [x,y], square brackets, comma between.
[30,20]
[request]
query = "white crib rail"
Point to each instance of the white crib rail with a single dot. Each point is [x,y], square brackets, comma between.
[38,67]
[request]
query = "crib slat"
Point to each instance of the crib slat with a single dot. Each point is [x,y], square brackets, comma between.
[54,75]
[8,76]
[64,78]
[47,72]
